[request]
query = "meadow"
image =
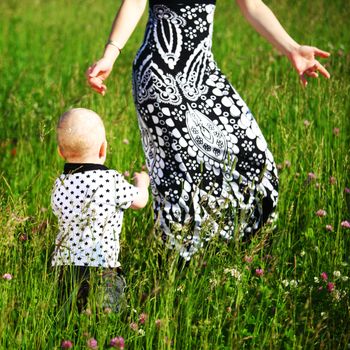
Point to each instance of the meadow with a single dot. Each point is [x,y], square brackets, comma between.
[286,289]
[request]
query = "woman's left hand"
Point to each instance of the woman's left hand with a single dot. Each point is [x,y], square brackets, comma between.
[304,61]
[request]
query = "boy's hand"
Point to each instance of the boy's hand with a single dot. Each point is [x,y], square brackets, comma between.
[141,179]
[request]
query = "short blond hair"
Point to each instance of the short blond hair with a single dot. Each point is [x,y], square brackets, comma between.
[80,133]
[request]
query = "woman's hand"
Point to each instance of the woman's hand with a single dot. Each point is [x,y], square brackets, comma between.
[304,61]
[98,73]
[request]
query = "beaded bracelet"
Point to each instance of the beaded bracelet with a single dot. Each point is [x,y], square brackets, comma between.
[115,44]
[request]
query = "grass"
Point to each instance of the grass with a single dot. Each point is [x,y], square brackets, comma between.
[218,302]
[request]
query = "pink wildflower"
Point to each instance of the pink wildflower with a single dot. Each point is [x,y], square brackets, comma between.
[321,213]
[143,318]
[347,190]
[330,287]
[7,276]
[92,343]
[332,180]
[287,163]
[345,224]
[248,259]
[336,131]
[134,326]
[259,272]
[324,276]
[23,238]
[117,342]
[306,123]
[158,323]
[279,166]
[126,174]
[66,344]
[311,176]
[126,141]
[329,228]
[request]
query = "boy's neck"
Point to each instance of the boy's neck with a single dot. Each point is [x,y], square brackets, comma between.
[82,160]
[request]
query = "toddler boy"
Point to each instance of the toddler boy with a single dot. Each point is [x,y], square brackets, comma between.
[88,200]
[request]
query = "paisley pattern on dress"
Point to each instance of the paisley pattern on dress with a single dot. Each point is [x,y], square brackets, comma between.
[211,170]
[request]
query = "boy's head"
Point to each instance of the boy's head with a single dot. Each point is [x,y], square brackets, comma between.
[81,137]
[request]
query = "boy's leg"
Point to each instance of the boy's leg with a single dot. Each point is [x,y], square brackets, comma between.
[112,287]
[74,287]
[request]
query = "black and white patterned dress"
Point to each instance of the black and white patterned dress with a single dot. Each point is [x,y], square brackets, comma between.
[211,171]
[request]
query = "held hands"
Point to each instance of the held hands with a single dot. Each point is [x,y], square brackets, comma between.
[304,61]
[97,73]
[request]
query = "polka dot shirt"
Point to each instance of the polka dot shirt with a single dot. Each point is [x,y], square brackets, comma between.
[88,200]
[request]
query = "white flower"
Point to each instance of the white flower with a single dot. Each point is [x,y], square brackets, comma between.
[336,273]
[345,278]
[293,283]
[234,273]
[285,283]
[316,280]
[302,253]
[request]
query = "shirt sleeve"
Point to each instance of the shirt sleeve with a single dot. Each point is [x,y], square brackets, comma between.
[125,192]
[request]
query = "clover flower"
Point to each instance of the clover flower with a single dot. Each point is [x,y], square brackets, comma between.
[345,224]
[7,276]
[332,180]
[336,131]
[259,272]
[134,326]
[329,228]
[321,213]
[92,343]
[330,287]
[324,276]
[143,318]
[311,176]
[117,342]
[66,344]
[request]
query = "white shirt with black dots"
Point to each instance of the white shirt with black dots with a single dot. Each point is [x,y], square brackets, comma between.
[89,200]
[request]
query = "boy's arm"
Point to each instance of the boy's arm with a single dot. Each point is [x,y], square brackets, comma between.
[141,181]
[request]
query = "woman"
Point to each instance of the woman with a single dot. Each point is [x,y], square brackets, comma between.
[211,171]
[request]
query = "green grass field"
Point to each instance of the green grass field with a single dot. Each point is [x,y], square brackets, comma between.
[218,302]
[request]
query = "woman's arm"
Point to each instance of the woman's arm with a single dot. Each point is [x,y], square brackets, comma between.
[124,24]
[302,57]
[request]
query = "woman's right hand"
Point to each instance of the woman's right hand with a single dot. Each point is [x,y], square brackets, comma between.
[98,73]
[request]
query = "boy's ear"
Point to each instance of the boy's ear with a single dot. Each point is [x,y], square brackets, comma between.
[59,151]
[103,150]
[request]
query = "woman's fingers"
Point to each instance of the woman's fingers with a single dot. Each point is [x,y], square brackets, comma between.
[321,53]
[323,70]
[95,70]
[97,85]
[303,79]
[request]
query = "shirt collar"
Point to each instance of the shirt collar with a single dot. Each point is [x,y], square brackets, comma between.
[73,168]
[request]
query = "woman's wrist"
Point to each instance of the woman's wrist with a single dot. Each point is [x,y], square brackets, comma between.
[290,49]
[111,53]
